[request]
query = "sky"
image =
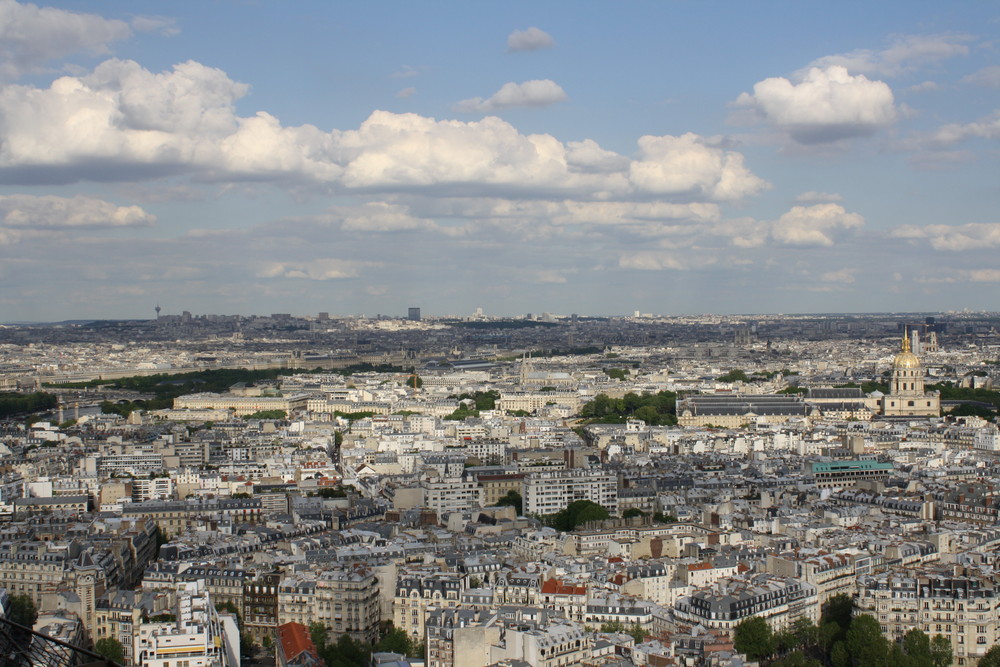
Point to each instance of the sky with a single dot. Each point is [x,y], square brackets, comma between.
[670,157]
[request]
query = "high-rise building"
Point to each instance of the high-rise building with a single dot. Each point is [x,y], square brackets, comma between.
[413,314]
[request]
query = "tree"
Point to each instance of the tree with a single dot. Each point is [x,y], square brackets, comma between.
[735,375]
[917,648]
[612,626]
[838,609]
[23,610]
[638,633]
[346,653]
[512,499]
[396,640]
[992,657]
[865,642]
[753,638]
[631,512]
[839,657]
[576,513]
[941,653]
[319,633]
[797,659]
[111,649]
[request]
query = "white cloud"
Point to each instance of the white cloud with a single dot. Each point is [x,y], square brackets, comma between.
[51,212]
[31,36]
[984,276]
[316,269]
[531,39]
[536,93]
[406,92]
[659,261]
[165,25]
[924,87]
[813,197]
[842,276]
[814,225]
[688,165]
[379,217]
[405,73]
[124,123]
[826,105]
[988,77]
[907,53]
[954,133]
[972,236]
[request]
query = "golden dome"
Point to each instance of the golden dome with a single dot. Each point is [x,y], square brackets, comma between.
[906,359]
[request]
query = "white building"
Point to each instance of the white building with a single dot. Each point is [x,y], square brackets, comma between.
[549,491]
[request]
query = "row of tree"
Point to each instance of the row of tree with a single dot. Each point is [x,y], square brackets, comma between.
[16,404]
[842,639]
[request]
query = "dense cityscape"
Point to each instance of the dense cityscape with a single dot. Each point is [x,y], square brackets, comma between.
[499,334]
[471,490]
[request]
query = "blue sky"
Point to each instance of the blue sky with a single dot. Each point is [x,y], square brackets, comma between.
[589,157]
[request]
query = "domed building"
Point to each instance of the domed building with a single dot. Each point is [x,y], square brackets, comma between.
[906,397]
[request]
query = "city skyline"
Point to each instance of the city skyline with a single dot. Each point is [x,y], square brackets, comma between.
[593,158]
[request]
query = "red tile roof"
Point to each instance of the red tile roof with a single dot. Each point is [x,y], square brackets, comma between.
[295,639]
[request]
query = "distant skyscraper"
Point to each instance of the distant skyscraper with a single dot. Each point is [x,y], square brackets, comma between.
[413,314]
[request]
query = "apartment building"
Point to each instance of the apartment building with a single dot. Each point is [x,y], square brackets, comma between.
[961,604]
[549,491]
[345,600]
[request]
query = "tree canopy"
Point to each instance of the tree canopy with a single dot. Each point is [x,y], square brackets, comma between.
[753,637]
[15,404]
[659,409]
[23,610]
[512,499]
[110,648]
[576,514]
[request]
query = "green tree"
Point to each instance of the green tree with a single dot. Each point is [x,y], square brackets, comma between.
[267,414]
[638,633]
[346,652]
[735,375]
[917,648]
[111,649]
[838,609]
[419,650]
[753,638]
[23,610]
[414,381]
[395,641]
[941,652]
[839,657]
[806,632]
[631,512]
[797,659]
[612,627]
[865,642]
[616,373]
[992,657]
[319,634]
[512,499]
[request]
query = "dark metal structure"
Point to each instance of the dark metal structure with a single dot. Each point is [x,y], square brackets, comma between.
[23,647]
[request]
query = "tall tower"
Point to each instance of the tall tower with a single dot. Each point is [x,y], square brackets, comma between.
[157,309]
